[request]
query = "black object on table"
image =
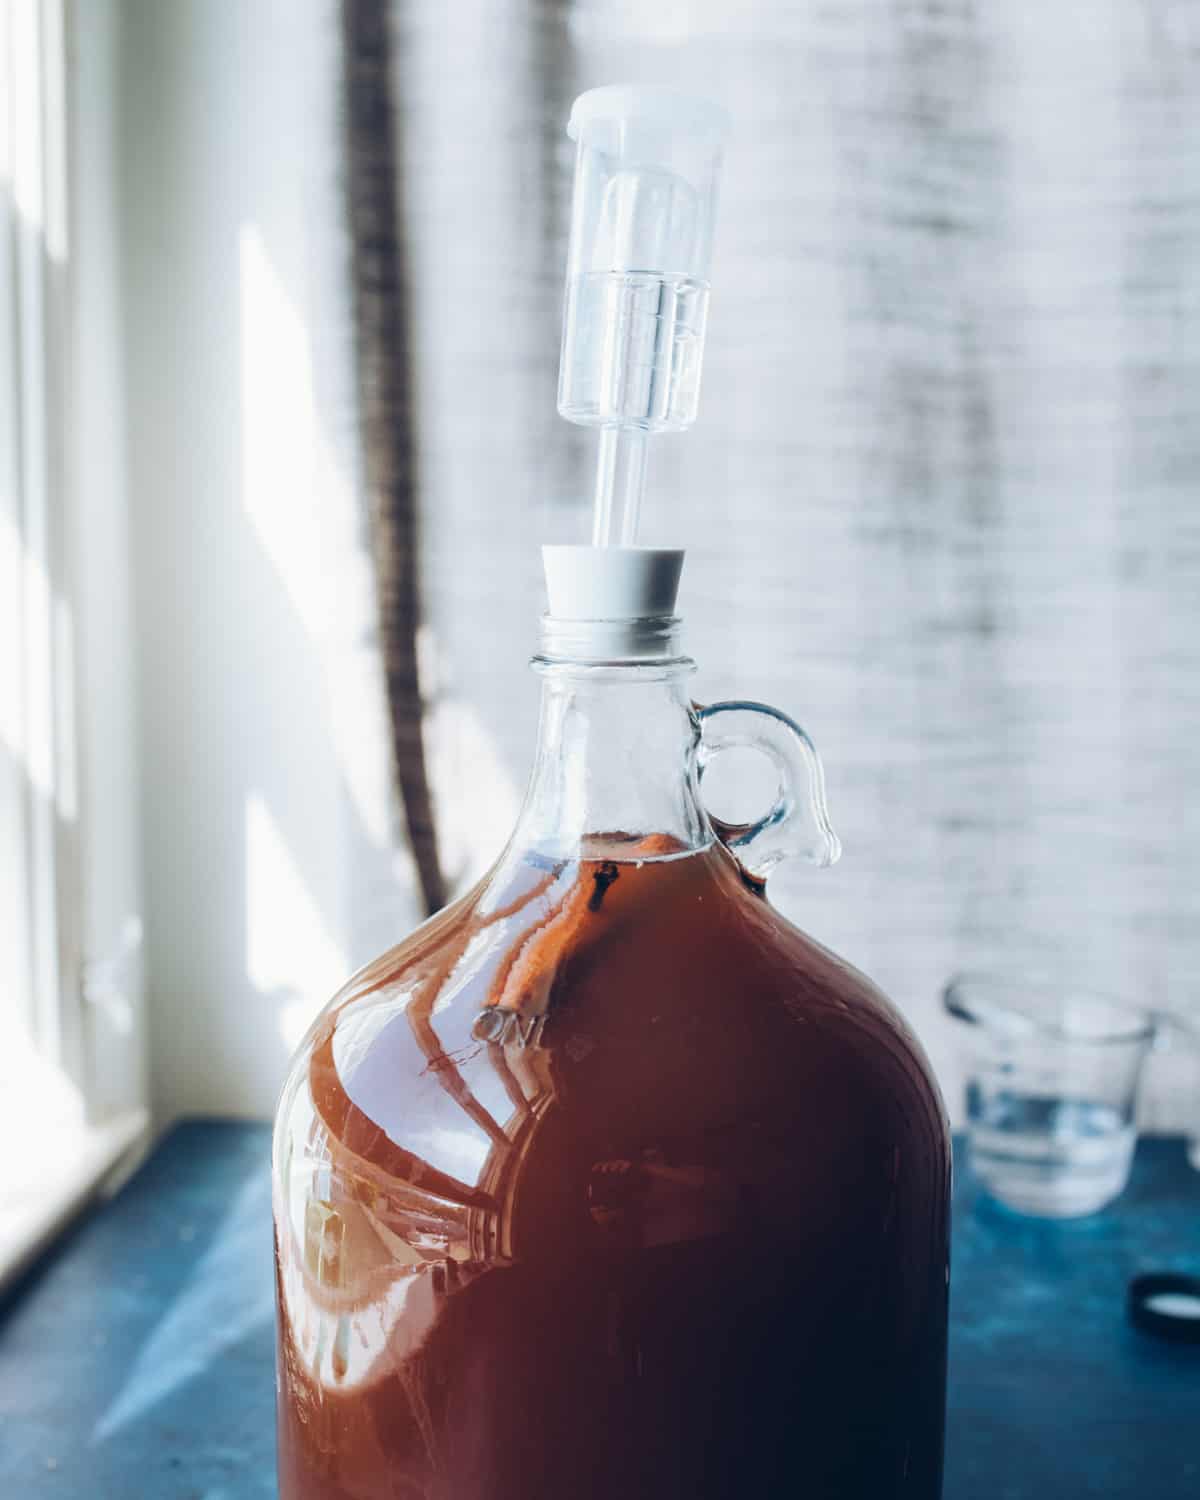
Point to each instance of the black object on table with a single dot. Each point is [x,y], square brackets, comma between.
[1167,1305]
[138,1364]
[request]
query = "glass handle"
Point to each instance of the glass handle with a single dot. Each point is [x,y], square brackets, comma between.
[797,824]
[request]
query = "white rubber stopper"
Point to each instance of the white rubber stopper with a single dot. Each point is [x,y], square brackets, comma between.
[612,583]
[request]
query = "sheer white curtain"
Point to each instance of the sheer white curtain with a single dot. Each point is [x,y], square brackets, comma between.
[940,502]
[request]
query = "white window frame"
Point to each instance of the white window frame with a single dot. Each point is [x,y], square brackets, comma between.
[49,989]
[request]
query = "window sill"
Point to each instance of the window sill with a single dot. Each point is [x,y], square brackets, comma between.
[78,1167]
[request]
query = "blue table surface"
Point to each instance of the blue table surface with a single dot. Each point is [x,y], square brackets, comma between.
[138,1362]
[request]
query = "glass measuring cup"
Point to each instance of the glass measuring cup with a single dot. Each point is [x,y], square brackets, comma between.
[1052,1078]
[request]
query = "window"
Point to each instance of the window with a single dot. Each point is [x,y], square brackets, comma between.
[52,1036]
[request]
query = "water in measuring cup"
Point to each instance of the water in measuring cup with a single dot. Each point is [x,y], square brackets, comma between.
[1052,1157]
[633,343]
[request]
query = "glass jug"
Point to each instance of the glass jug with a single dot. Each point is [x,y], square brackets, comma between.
[608,1183]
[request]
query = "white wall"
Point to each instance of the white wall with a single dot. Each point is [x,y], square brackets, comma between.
[266,805]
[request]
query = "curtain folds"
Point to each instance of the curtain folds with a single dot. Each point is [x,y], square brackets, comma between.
[383,352]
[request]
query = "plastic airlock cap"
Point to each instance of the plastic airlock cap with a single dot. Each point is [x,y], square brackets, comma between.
[612,583]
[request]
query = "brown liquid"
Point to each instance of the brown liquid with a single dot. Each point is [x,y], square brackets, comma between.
[611,1186]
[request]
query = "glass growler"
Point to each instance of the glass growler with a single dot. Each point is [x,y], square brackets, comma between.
[608,1183]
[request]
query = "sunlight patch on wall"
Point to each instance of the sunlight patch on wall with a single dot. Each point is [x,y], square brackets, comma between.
[302,504]
[476,799]
[278,426]
[291,955]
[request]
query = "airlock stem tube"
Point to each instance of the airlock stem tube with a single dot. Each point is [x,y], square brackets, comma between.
[646,174]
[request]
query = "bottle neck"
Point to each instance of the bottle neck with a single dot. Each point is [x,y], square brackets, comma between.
[616,762]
